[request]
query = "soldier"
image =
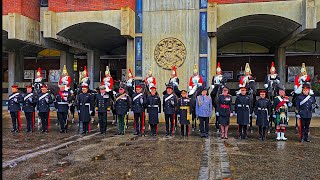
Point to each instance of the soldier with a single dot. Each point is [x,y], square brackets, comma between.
[85,106]
[29,103]
[107,80]
[65,79]
[130,83]
[204,112]
[224,112]
[14,108]
[272,79]
[38,81]
[174,81]
[262,110]
[72,105]
[122,106]
[304,78]
[63,99]
[103,104]
[195,81]
[305,104]
[244,80]
[280,106]
[138,105]
[242,108]
[153,108]
[150,81]
[169,104]
[218,82]
[183,111]
[84,78]
[43,107]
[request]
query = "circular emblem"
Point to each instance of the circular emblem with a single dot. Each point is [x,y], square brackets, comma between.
[169,52]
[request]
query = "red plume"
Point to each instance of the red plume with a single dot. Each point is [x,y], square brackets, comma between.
[174,69]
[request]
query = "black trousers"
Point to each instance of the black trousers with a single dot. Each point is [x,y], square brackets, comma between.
[14,118]
[204,125]
[85,127]
[262,132]
[217,119]
[102,121]
[243,131]
[153,128]
[169,123]
[44,120]
[138,118]
[184,129]
[305,127]
[30,120]
[63,120]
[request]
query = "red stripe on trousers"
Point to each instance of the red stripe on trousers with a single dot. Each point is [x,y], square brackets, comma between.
[19,121]
[172,123]
[32,121]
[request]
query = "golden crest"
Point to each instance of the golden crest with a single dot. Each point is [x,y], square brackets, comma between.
[169,52]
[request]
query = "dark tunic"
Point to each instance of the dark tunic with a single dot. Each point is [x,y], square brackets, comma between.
[138,102]
[224,108]
[14,102]
[282,112]
[85,104]
[262,110]
[184,110]
[242,108]
[61,104]
[305,109]
[153,108]
[29,102]
[103,102]
[169,103]
[122,104]
[43,105]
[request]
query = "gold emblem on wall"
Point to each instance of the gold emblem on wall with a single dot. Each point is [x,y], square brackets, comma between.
[169,52]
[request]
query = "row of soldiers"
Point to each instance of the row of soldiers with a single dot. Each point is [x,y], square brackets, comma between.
[87,102]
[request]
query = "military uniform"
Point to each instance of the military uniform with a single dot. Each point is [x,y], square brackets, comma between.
[204,112]
[262,111]
[280,105]
[223,111]
[183,110]
[305,104]
[14,108]
[29,103]
[138,107]
[85,106]
[63,98]
[122,106]
[242,108]
[43,107]
[103,105]
[169,104]
[153,108]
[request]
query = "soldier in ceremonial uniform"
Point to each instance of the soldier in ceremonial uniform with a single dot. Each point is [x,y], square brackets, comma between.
[43,107]
[122,106]
[103,105]
[262,110]
[29,104]
[224,111]
[174,81]
[85,106]
[65,79]
[153,108]
[72,105]
[138,107]
[150,81]
[38,81]
[305,104]
[242,108]
[108,81]
[195,81]
[183,111]
[14,108]
[272,78]
[169,104]
[244,80]
[204,112]
[62,101]
[130,83]
[280,107]
[302,79]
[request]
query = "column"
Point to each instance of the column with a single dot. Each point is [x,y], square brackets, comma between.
[213,58]
[130,55]
[280,56]
[93,66]
[15,68]
[67,59]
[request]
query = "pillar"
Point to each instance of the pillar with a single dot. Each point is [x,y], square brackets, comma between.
[280,56]
[67,59]
[130,55]
[15,68]
[213,58]
[93,66]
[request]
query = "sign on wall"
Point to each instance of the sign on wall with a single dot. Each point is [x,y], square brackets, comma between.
[54,75]
[293,71]
[227,74]
[28,74]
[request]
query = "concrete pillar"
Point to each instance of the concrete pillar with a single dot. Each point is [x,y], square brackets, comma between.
[93,65]
[213,58]
[130,55]
[280,56]
[15,68]
[67,59]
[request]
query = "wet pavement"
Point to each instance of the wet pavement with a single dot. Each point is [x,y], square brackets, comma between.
[95,156]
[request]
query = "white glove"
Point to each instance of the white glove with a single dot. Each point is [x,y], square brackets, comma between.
[274,116]
[141,101]
[298,116]
[255,116]
[235,114]
[290,104]
[217,113]
[127,113]
[79,111]
[30,99]
[90,112]
[9,111]
[108,84]
[15,100]
[65,98]
[231,114]
[57,110]
[178,115]
[172,103]
[47,100]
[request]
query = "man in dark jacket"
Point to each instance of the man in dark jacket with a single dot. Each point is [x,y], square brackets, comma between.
[122,106]
[138,105]
[169,105]
[29,103]
[43,107]
[242,108]
[14,108]
[103,105]
[63,98]
[184,113]
[262,111]
[153,108]
[85,106]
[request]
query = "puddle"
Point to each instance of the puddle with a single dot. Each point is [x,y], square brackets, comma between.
[99,157]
